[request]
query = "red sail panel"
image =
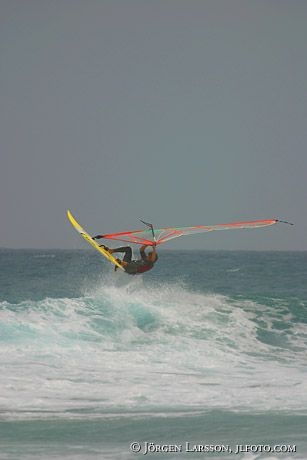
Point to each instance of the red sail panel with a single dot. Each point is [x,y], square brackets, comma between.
[162,235]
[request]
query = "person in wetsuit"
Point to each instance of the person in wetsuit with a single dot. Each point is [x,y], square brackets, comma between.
[134,267]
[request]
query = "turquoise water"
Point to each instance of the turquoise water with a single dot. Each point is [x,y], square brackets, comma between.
[209,348]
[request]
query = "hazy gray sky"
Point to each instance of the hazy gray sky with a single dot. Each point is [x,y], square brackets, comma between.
[180,112]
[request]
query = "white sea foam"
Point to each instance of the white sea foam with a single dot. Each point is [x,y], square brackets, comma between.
[138,347]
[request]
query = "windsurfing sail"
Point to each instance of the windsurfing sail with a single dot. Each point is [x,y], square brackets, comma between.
[162,235]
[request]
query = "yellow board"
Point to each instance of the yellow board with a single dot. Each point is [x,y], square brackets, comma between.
[90,240]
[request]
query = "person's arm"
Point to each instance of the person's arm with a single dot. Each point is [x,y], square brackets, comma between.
[142,251]
[155,252]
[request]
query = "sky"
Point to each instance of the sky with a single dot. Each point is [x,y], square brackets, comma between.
[177,112]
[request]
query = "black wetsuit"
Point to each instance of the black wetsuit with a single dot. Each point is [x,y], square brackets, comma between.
[135,267]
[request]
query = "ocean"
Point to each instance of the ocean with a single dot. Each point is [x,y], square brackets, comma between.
[204,356]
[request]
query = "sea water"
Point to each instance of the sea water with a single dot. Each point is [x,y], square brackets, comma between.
[204,356]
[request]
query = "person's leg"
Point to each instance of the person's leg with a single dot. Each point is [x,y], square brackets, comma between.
[127,250]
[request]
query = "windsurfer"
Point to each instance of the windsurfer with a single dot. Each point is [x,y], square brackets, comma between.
[134,267]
